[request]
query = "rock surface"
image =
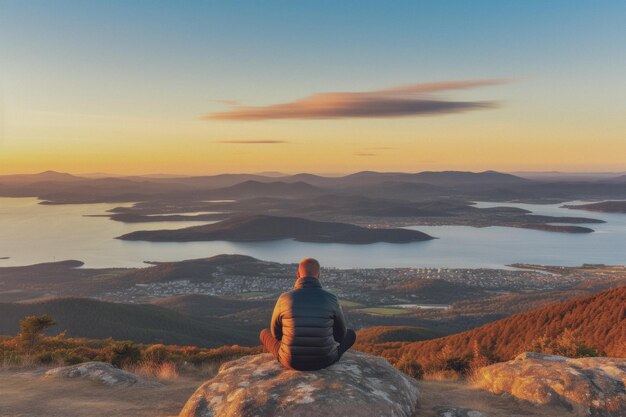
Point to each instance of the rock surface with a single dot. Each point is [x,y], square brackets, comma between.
[586,386]
[359,385]
[450,411]
[100,372]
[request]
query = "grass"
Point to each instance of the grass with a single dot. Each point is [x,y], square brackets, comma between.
[383,311]
[347,303]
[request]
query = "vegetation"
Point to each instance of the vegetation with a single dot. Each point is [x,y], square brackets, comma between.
[31,331]
[568,343]
[588,326]
[32,347]
[381,334]
[383,311]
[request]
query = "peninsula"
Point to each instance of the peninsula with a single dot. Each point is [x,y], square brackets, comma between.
[604,206]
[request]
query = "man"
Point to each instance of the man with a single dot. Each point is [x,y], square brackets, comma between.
[307,323]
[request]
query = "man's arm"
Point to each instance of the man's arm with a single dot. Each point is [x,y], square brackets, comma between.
[339,325]
[276,325]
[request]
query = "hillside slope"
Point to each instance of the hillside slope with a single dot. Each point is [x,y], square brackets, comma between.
[83,317]
[599,320]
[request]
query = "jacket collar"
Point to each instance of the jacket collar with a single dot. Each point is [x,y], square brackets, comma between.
[307,282]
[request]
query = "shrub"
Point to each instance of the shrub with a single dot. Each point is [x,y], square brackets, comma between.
[568,343]
[123,353]
[156,354]
[31,330]
[410,367]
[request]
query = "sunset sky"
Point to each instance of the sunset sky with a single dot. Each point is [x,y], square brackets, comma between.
[186,87]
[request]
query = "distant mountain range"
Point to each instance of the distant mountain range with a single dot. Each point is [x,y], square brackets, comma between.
[56,187]
[265,228]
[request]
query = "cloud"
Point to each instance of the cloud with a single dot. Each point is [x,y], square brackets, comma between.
[365,154]
[403,101]
[252,142]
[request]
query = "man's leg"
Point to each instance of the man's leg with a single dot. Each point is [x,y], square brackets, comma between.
[269,342]
[347,342]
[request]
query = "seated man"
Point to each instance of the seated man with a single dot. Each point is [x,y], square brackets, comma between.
[307,324]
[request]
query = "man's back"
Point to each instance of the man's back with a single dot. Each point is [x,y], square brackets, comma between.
[308,321]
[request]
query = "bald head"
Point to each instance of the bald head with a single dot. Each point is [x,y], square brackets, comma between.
[309,267]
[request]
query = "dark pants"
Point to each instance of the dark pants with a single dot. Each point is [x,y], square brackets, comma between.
[273,345]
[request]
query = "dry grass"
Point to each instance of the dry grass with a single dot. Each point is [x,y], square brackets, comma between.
[164,371]
[442,376]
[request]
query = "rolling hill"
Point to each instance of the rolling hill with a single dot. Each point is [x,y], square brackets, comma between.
[598,319]
[84,317]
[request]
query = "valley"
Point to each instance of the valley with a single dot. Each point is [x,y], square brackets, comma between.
[237,293]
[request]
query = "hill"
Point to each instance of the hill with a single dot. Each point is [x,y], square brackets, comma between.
[382,334]
[599,320]
[42,176]
[83,317]
[197,305]
[264,228]
[254,188]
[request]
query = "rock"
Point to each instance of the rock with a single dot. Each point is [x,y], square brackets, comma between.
[586,386]
[449,411]
[359,385]
[100,372]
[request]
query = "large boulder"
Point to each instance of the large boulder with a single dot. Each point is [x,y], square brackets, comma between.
[586,386]
[359,385]
[100,372]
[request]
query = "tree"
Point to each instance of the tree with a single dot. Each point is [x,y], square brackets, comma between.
[31,331]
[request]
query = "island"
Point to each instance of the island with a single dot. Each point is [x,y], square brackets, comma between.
[618,206]
[258,228]
[557,228]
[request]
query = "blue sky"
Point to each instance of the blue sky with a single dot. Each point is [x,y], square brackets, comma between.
[174,61]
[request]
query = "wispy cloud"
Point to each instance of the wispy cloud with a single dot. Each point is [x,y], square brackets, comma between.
[252,142]
[365,154]
[408,100]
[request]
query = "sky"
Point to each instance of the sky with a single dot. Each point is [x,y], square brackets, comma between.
[205,87]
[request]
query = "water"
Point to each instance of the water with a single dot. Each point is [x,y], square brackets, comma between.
[32,233]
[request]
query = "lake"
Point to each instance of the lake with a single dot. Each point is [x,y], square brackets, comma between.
[32,233]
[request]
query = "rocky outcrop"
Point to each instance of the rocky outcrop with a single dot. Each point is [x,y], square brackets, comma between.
[450,411]
[359,385]
[586,386]
[100,372]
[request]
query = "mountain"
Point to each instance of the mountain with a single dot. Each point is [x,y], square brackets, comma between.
[201,270]
[452,178]
[40,177]
[621,179]
[401,190]
[85,317]
[265,228]
[253,188]
[599,320]
[440,178]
